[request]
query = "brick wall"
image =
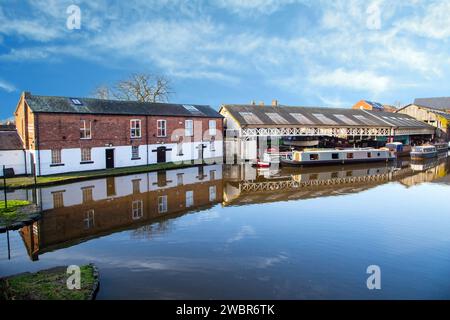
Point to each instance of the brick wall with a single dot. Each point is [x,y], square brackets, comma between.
[24,119]
[64,225]
[63,131]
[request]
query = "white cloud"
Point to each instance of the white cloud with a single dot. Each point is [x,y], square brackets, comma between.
[431,21]
[244,232]
[189,39]
[252,7]
[353,79]
[6,86]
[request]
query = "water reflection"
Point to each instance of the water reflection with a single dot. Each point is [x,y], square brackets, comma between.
[145,203]
[316,232]
[245,185]
[81,211]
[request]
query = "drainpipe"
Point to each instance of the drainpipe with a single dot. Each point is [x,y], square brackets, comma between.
[36,126]
[146,135]
[25,161]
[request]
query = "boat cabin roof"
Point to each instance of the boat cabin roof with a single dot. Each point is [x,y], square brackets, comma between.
[341,150]
[424,147]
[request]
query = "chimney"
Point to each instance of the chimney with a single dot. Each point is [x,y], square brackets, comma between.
[252,102]
[274,103]
[261,103]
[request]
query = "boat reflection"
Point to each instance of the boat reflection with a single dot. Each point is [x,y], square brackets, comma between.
[146,203]
[246,185]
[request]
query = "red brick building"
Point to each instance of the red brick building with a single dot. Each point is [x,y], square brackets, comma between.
[63,134]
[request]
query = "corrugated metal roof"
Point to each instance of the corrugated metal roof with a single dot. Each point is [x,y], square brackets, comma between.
[50,104]
[247,115]
[441,103]
[10,140]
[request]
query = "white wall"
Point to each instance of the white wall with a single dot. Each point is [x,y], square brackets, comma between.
[73,194]
[15,159]
[71,158]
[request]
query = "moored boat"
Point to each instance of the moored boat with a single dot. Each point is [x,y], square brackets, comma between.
[441,147]
[399,149]
[338,156]
[423,152]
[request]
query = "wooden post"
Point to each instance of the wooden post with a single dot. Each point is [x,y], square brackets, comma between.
[34,174]
[9,248]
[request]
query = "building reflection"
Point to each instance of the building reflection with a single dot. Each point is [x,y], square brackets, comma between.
[147,203]
[77,212]
[245,185]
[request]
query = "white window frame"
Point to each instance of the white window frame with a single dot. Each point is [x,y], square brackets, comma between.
[161,130]
[55,157]
[212,128]
[189,198]
[85,132]
[162,204]
[137,211]
[89,218]
[132,153]
[83,154]
[189,129]
[212,193]
[134,129]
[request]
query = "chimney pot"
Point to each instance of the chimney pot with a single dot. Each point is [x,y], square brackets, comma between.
[252,102]
[274,102]
[261,103]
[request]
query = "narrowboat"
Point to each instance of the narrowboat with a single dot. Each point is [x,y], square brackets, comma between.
[423,152]
[337,156]
[399,149]
[441,147]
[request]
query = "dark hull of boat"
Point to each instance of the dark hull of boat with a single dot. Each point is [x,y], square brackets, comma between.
[328,162]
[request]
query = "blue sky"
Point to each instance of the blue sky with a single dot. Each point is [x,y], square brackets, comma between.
[301,52]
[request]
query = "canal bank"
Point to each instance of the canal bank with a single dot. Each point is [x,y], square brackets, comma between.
[40,181]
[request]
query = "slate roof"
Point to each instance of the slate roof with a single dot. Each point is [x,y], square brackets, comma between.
[375,105]
[10,140]
[441,103]
[50,104]
[318,116]
[441,113]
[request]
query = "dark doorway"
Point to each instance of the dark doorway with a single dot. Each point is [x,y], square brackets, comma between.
[109,158]
[161,154]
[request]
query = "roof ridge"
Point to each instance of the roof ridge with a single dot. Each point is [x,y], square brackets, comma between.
[116,100]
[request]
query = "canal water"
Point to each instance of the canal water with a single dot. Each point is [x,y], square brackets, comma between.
[234,232]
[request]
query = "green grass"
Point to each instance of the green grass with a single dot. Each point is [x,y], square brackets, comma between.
[10,215]
[23,182]
[47,285]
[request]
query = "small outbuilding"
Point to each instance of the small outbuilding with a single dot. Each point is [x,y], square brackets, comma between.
[12,153]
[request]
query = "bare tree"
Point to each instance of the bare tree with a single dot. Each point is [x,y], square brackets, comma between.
[139,86]
[102,92]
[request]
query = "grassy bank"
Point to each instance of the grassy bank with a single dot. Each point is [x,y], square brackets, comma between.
[47,285]
[10,214]
[23,182]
